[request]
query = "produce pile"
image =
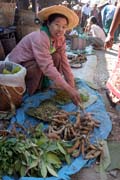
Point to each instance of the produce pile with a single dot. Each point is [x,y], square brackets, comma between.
[48,108]
[62,97]
[11,70]
[30,152]
[60,127]
[76,62]
[41,152]
[78,133]
[44,112]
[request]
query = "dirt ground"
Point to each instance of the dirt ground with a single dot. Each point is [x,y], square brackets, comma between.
[105,63]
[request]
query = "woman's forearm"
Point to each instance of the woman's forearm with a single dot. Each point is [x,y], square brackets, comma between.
[115,21]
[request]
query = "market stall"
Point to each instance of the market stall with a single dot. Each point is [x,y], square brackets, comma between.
[95,107]
[29,133]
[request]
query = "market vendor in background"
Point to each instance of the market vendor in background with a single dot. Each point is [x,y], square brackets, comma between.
[96,35]
[43,52]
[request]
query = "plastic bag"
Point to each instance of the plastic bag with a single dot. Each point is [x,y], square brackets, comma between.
[14,80]
[12,85]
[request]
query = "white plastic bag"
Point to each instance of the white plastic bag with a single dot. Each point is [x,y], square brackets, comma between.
[13,80]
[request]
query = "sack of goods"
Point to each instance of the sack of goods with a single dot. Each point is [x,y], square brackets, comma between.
[12,85]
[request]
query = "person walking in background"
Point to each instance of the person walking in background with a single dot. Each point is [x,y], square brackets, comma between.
[113,83]
[85,13]
[107,11]
[94,11]
[77,9]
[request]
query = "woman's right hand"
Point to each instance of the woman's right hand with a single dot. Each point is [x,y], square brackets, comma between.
[74,95]
[108,41]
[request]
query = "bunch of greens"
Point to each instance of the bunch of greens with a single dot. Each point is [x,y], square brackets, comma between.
[33,154]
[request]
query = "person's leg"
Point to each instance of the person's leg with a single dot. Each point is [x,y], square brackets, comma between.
[33,77]
[116,35]
[107,26]
[46,83]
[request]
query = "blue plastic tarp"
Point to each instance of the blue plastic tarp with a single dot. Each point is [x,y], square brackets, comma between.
[101,133]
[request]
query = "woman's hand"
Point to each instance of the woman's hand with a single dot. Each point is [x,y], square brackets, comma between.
[74,95]
[108,42]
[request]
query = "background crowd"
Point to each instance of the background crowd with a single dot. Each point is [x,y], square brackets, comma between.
[103,12]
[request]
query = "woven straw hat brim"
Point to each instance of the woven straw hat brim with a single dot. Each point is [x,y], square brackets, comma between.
[60,9]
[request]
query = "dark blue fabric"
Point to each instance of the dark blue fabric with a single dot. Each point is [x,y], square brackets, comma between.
[99,111]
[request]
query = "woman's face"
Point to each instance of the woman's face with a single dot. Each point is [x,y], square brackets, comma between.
[58,27]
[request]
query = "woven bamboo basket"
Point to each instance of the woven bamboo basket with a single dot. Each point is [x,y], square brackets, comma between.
[26,17]
[25,23]
[23,30]
[7,12]
[10,97]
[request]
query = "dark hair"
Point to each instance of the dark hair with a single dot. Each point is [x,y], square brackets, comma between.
[93,20]
[52,17]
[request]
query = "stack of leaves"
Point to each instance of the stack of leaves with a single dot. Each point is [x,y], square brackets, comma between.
[84,97]
[44,112]
[33,154]
[61,97]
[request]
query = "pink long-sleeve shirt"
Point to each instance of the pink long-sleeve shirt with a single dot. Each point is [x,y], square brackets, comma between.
[36,46]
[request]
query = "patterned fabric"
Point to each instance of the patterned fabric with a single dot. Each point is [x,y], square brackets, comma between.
[107,14]
[107,26]
[113,83]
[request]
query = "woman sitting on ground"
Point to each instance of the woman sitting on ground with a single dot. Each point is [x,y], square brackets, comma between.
[96,35]
[43,52]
